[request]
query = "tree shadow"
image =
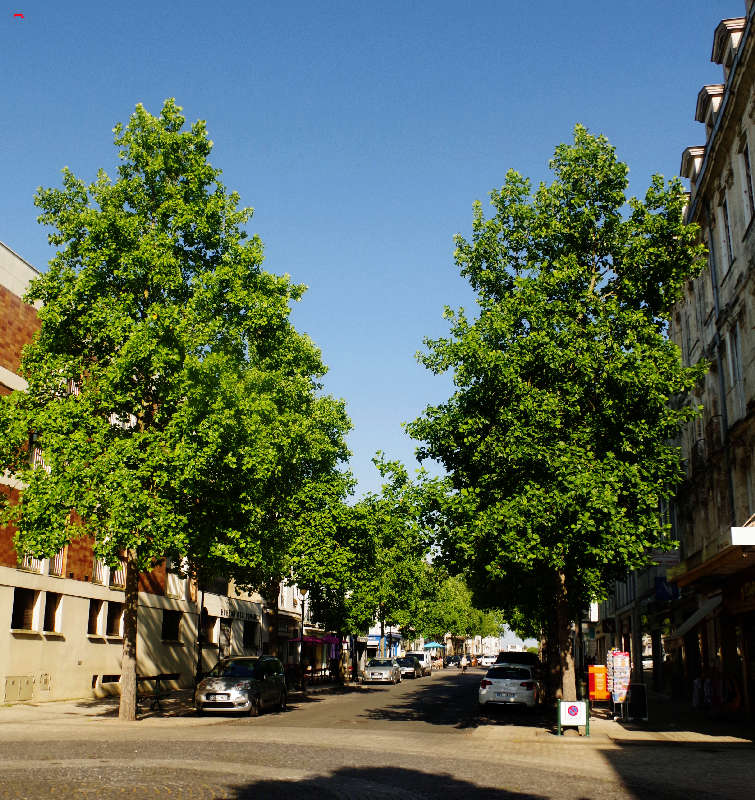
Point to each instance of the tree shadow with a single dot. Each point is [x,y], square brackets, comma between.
[376,783]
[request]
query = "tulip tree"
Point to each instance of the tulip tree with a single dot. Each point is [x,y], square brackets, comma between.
[175,406]
[559,437]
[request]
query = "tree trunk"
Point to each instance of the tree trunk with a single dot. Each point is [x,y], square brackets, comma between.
[200,639]
[382,638]
[127,709]
[276,590]
[568,689]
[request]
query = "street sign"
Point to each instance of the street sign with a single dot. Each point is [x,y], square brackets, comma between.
[573,713]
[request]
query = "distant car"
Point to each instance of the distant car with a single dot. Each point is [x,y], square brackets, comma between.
[244,684]
[410,667]
[510,683]
[425,659]
[487,661]
[452,661]
[382,670]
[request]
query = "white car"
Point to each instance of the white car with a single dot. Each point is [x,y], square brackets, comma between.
[510,683]
[487,661]
[425,659]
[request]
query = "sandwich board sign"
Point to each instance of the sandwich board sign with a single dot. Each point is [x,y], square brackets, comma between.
[573,713]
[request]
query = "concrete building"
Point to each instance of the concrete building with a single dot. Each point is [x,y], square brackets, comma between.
[711,641]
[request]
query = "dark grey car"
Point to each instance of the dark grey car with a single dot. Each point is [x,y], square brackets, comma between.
[243,683]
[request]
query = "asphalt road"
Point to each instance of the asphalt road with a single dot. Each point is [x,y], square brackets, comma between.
[420,739]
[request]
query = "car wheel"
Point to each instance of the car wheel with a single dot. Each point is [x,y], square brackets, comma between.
[282,700]
[255,707]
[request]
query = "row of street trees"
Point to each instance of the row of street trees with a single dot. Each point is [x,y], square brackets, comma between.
[559,440]
[180,414]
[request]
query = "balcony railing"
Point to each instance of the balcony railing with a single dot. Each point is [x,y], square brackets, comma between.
[56,563]
[31,564]
[118,575]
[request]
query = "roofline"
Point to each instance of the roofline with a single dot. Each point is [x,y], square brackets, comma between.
[19,257]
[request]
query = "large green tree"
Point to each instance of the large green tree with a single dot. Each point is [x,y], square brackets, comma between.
[176,408]
[558,438]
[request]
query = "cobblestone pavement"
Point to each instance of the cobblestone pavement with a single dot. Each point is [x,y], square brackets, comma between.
[421,739]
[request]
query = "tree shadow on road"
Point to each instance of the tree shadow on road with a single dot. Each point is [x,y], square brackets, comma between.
[375,783]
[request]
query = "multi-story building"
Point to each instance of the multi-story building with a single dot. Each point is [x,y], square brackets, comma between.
[61,619]
[713,641]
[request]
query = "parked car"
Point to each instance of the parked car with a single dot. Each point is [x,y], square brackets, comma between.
[410,667]
[518,657]
[245,684]
[452,661]
[382,670]
[487,661]
[510,683]
[425,659]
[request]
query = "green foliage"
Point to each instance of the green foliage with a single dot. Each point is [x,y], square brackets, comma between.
[175,405]
[559,438]
[452,611]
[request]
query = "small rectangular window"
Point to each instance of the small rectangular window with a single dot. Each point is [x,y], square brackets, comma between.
[52,612]
[727,231]
[250,634]
[95,607]
[24,606]
[748,181]
[171,625]
[114,619]
[207,627]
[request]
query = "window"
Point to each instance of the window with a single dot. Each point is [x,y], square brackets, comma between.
[250,634]
[735,372]
[726,232]
[207,627]
[95,618]
[171,625]
[748,188]
[52,612]
[114,619]
[24,609]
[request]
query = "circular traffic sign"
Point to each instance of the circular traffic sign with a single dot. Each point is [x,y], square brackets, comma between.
[572,711]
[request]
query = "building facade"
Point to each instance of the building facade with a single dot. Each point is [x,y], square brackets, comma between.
[712,636]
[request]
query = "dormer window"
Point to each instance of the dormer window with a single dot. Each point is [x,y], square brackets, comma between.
[726,41]
[708,102]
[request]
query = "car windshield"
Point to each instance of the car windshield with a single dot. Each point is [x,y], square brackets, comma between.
[510,673]
[406,662]
[380,662]
[235,668]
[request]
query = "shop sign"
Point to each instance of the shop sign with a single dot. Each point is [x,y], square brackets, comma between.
[233,613]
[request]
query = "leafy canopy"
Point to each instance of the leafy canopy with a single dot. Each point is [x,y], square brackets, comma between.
[559,437]
[176,407]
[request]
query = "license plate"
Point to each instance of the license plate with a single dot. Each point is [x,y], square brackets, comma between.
[505,695]
[212,697]
[377,675]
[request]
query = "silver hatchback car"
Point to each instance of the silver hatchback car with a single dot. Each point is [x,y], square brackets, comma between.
[382,670]
[245,684]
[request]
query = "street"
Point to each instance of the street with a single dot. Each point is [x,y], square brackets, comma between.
[420,739]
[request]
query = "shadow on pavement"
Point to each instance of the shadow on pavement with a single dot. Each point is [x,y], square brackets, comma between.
[678,770]
[375,783]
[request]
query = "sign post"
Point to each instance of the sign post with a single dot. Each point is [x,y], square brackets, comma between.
[572,714]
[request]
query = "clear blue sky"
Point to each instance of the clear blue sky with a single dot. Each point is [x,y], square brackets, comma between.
[360,132]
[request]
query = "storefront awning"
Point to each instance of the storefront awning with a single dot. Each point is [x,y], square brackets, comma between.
[706,608]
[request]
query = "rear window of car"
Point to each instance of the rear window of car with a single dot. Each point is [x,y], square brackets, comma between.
[234,669]
[380,662]
[510,673]
[406,662]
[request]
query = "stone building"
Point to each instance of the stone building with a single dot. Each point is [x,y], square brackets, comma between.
[712,638]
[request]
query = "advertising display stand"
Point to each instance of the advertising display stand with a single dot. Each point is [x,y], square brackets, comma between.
[572,714]
[618,670]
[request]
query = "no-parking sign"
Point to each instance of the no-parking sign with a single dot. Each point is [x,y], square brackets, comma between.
[573,712]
